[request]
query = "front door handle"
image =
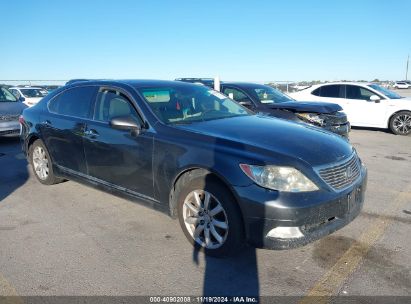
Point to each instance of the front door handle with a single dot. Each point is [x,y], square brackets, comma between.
[91,133]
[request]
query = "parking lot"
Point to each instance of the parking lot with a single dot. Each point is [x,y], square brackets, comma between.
[70,239]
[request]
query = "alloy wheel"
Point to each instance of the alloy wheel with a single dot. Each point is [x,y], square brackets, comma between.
[402,123]
[40,163]
[205,219]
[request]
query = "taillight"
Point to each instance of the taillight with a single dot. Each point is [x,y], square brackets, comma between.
[21,119]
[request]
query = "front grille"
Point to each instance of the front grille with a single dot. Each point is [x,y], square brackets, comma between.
[342,175]
[9,117]
[338,118]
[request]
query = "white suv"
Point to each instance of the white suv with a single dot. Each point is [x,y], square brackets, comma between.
[366,104]
[28,95]
[401,85]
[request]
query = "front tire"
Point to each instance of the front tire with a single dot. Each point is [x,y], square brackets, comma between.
[41,164]
[209,216]
[400,123]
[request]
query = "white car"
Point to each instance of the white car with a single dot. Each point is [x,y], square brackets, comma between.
[28,95]
[366,104]
[401,85]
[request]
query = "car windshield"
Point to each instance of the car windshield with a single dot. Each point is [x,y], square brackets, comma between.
[386,92]
[6,96]
[34,92]
[187,104]
[268,95]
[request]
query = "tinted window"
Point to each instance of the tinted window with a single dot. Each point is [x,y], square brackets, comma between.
[6,96]
[356,92]
[332,91]
[15,93]
[33,92]
[74,102]
[316,92]
[112,103]
[235,94]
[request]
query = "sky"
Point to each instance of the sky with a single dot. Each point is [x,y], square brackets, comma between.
[235,40]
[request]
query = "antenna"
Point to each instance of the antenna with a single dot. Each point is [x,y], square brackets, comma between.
[406,71]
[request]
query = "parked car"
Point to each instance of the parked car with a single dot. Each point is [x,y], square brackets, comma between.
[267,100]
[230,176]
[29,95]
[366,104]
[10,111]
[401,85]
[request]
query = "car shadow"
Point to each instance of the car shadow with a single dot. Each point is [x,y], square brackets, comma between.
[13,164]
[387,131]
[232,276]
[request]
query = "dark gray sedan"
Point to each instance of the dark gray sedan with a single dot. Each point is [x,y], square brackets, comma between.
[10,110]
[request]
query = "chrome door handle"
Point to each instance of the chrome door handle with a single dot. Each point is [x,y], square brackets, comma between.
[91,133]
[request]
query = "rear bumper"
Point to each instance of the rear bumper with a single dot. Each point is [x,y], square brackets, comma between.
[314,215]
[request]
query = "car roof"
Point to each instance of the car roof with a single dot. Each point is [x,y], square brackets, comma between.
[136,83]
[347,82]
[18,88]
[244,84]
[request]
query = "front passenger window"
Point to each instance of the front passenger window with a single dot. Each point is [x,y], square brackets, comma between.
[113,103]
[356,92]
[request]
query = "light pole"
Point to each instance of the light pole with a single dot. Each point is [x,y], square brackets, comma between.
[406,71]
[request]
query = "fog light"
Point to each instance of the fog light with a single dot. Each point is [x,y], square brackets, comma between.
[285,233]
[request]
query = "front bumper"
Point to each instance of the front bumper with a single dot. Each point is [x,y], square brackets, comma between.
[343,129]
[316,214]
[9,128]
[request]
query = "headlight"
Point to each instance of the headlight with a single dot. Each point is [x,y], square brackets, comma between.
[312,118]
[286,179]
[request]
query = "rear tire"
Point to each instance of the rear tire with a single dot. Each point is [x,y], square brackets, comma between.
[209,216]
[41,164]
[400,123]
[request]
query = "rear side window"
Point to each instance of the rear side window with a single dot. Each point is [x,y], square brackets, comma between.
[74,102]
[332,91]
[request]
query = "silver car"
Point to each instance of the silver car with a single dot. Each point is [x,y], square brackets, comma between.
[10,110]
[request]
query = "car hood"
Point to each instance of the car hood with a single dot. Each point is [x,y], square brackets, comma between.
[277,136]
[11,108]
[307,106]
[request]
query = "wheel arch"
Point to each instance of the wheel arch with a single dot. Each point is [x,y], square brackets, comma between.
[31,139]
[392,114]
[197,172]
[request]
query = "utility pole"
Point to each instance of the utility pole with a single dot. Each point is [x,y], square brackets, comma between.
[406,71]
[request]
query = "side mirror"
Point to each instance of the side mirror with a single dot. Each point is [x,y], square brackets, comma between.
[21,98]
[246,103]
[126,123]
[375,98]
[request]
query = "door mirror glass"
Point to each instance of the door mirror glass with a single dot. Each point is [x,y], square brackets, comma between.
[125,123]
[375,98]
